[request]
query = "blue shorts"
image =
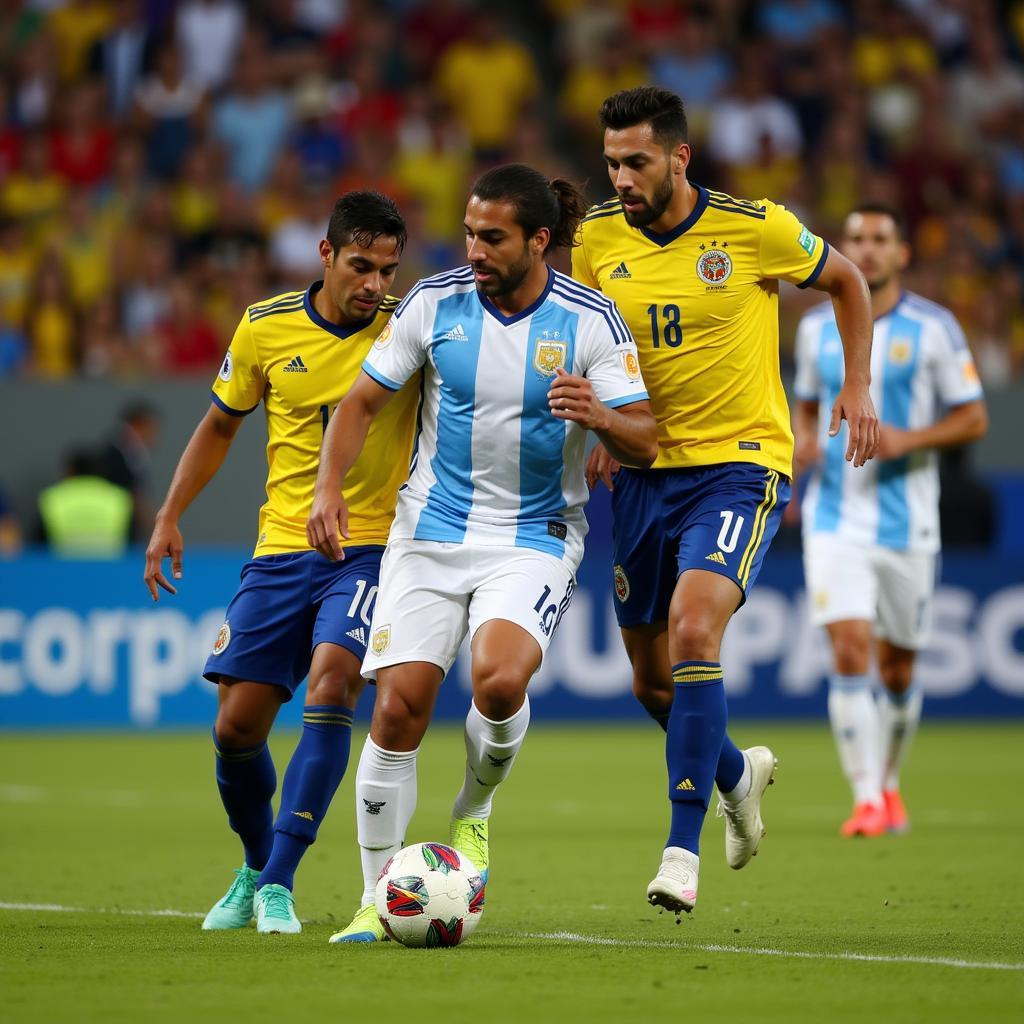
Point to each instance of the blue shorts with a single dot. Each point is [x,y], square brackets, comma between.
[286,605]
[720,518]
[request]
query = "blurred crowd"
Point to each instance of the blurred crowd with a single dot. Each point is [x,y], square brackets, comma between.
[163,164]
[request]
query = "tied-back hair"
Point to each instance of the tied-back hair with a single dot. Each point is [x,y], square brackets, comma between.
[363,216]
[647,104]
[556,204]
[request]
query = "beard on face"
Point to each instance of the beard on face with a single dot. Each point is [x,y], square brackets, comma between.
[506,281]
[651,211]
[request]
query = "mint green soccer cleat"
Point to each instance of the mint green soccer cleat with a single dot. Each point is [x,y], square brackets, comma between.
[364,927]
[235,910]
[275,911]
[469,836]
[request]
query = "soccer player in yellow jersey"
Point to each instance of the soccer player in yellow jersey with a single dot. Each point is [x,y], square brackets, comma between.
[695,275]
[295,613]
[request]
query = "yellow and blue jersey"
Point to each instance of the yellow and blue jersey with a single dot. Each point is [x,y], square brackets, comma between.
[702,302]
[301,366]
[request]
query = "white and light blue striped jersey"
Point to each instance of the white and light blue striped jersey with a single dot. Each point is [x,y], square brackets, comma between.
[492,464]
[920,367]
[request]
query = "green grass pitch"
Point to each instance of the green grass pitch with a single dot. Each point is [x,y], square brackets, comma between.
[926,927]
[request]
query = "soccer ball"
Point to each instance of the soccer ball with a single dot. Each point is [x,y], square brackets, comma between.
[430,895]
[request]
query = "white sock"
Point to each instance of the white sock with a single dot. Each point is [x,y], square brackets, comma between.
[734,796]
[491,749]
[855,726]
[385,801]
[899,714]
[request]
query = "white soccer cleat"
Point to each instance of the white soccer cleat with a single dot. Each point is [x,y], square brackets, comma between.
[743,824]
[675,885]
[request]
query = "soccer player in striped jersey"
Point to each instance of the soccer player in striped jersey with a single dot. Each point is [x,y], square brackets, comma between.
[518,363]
[696,275]
[295,613]
[871,536]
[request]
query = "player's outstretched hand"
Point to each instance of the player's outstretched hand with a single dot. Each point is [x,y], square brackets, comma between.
[601,466]
[327,524]
[166,542]
[572,398]
[854,405]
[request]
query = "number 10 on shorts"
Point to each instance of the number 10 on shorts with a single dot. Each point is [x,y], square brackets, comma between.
[551,612]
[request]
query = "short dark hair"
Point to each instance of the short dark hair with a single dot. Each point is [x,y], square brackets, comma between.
[137,410]
[556,204]
[647,104]
[364,216]
[884,210]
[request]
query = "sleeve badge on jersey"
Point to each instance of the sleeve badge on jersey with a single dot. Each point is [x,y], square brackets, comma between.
[621,583]
[381,639]
[631,365]
[714,266]
[384,337]
[226,367]
[549,353]
[806,241]
[220,645]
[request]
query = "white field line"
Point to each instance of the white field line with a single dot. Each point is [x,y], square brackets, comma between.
[574,938]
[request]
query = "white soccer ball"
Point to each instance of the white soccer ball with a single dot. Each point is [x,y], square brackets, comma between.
[430,895]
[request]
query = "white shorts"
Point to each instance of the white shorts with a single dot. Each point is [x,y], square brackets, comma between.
[892,589]
[431,594]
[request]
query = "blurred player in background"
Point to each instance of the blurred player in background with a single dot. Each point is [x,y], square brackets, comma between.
[295,613]
[695,274]
[871,537]
[519,362]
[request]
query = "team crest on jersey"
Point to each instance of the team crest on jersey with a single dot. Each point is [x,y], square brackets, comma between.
[381,640]
[631,365]
[714,266]
[549,351]
[226,368]
[384,337]
[220,645]
[899,351]
[621,583]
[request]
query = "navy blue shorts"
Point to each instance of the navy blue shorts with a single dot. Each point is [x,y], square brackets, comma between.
[720,518]
[286,605]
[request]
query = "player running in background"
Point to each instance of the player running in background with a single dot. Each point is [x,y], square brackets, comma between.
[871,537]
[519,362]
[695,274]
[295,613]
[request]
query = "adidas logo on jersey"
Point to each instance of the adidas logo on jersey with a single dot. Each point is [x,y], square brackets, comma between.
[296,366]
[358,634]
[457,333]
[716,556]
[621,273]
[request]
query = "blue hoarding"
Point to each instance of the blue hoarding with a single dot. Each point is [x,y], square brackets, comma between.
[82,645]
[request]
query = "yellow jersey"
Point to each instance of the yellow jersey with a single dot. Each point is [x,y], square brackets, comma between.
[301,366]
[702,303]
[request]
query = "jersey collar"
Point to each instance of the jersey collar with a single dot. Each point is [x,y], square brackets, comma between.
[532,308]
[662,238]
[337,330]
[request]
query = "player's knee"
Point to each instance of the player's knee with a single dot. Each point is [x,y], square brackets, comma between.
[336,688]
[652,694]
[696,638]
[498,692]
[236,730]
[852,656]
[896,675]
[400,719]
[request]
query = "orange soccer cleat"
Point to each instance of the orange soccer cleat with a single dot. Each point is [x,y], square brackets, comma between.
[895,812]
[866,820]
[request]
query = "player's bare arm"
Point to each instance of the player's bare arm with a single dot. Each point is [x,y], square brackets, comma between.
[965,423]
[852,302]
[629,433]
[343,441]
[806,450]
[199,462]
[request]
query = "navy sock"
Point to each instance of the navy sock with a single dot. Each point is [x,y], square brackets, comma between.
[730,766]
[696,728]
[247,780]
[310,781]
